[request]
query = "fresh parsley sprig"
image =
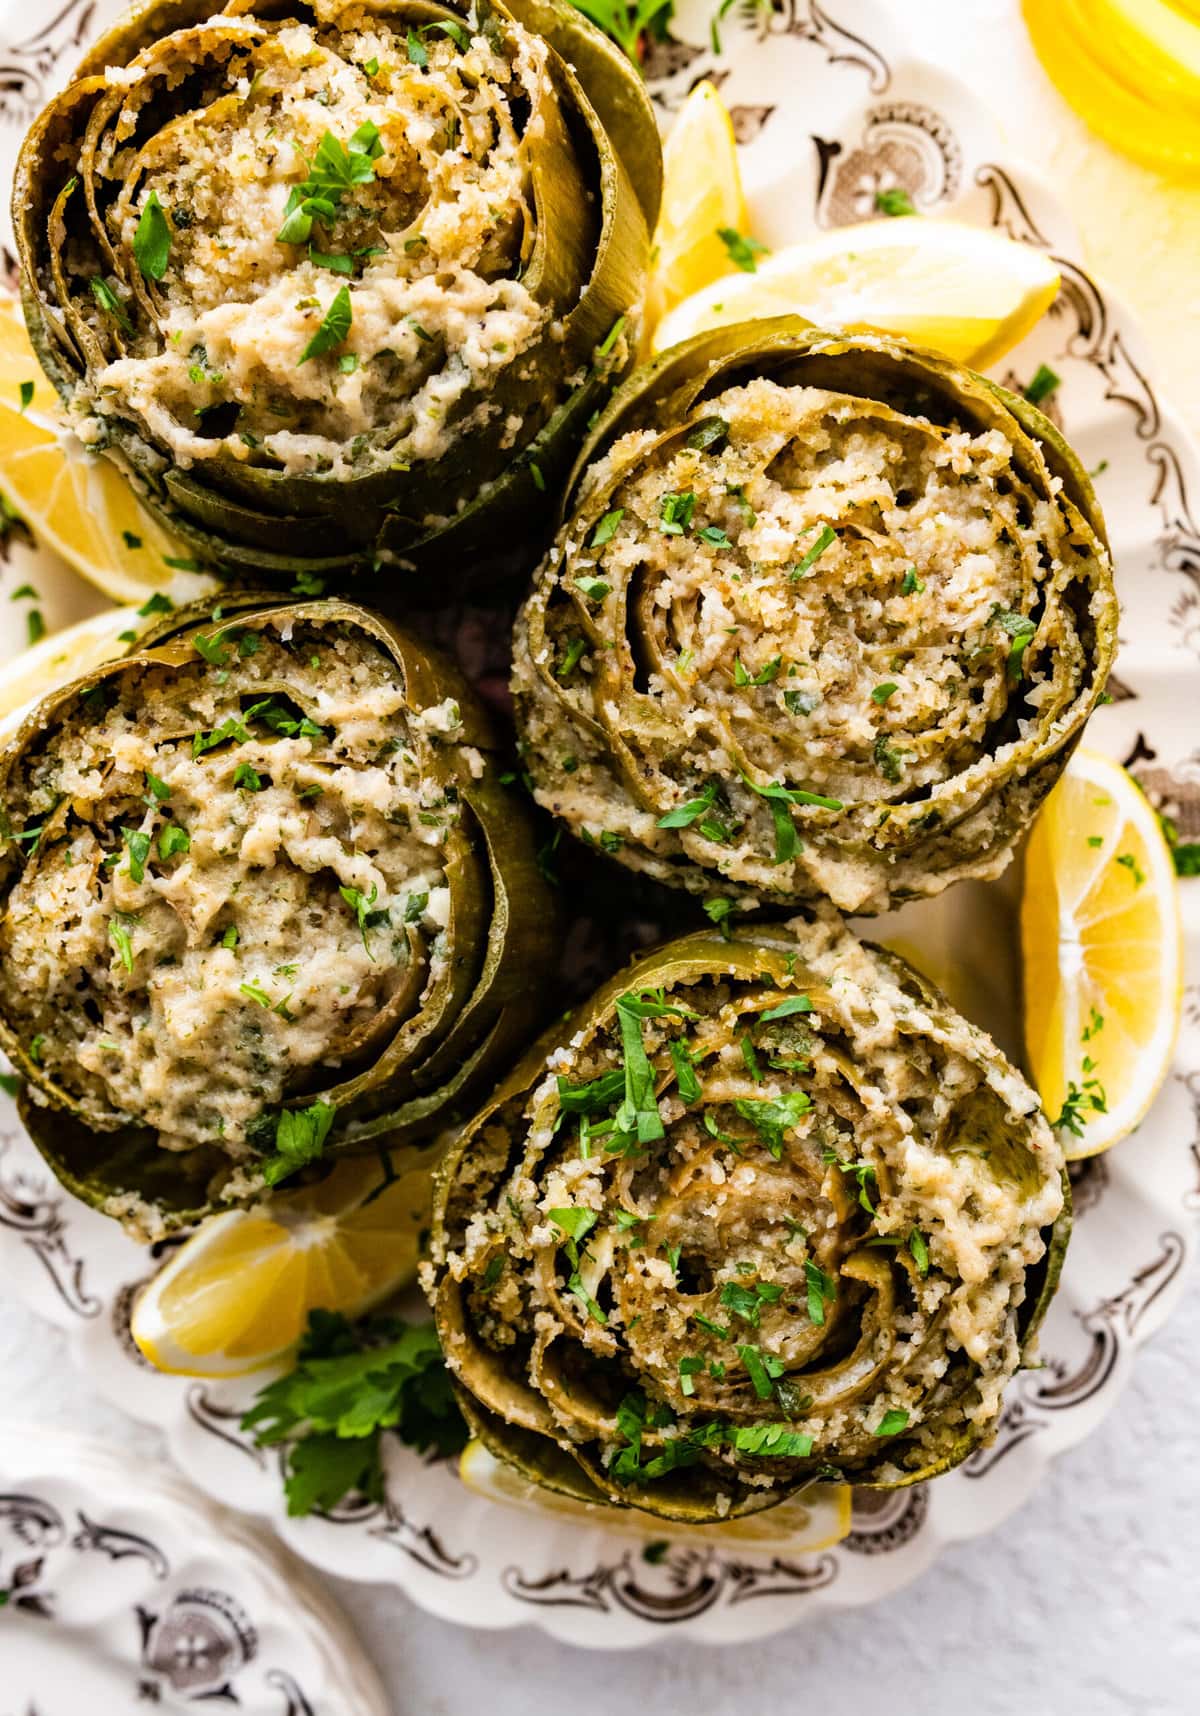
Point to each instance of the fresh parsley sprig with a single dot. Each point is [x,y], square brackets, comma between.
[349,1385]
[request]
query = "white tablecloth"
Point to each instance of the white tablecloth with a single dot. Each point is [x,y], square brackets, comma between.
[1083,1604]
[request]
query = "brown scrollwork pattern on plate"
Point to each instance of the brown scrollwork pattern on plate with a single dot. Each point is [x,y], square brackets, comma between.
[1035,1395]
[905,146]
[421,1543]
[119,1545]
[685,1583]
[884,1520]
[29,64]
[35,1213]
[224,1422]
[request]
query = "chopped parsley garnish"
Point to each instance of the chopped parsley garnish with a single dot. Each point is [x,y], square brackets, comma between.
[778,1440]
[689,1368]
[747,1302]
[594,1095]
[300,1135]
[822,1290]
[1020,628]
[778,799]
[912,585]
[707,433]
[112,306]
[825,538]
[595,589]
[612,336]
[368,919]
[919,1251]
[719,912]
[761,1368]
[895,201]
[576,649]
[152,240]
[1044,383]
[764,676]
[785,1009]
[863,1172]
[889,758]
[1130,863]
[675,512]
[348,1386]
[575,1222]
[744,251]
[173,839]
[118,934]
[638,1114]
[881,693]
[333,171]
[801,702]
[686,1082]
[891,1423]
[716,538]
[334,328]
[246,778]
[26,393]
[772,1116]
[1081,1101]
[156,604]
[138,846]
[607,528]
[697,810]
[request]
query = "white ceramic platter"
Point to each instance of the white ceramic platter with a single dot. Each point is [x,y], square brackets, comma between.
[829,107]
[123,1588]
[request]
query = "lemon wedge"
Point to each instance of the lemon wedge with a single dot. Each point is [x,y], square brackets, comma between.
[73,501]
[702,196]
[815,1519]
[65,655]
[962,290]
[237,1294]
[1101,954]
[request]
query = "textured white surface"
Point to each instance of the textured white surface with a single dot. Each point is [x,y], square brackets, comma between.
[1084,1603]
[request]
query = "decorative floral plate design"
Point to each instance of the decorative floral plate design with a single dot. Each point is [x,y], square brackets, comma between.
[830,109]
[120,1589]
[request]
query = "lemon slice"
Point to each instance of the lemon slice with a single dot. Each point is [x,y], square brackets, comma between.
[702,194]
[963,290]
[1102,960]
[73,501]
[56,660]
[815,1519]
[237,1294]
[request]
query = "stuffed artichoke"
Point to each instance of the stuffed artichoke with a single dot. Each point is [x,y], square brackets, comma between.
[765,1208]
[338,284]
[826,618]
[262,898]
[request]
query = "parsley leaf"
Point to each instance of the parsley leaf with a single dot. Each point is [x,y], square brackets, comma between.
[152,240]
[350,1384]
[743,250]
[335,327]
[300,1135]
[772,1116]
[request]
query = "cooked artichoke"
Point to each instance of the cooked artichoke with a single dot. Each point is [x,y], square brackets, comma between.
[262,898]
[764,1208]
[338,284]
[826,618]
